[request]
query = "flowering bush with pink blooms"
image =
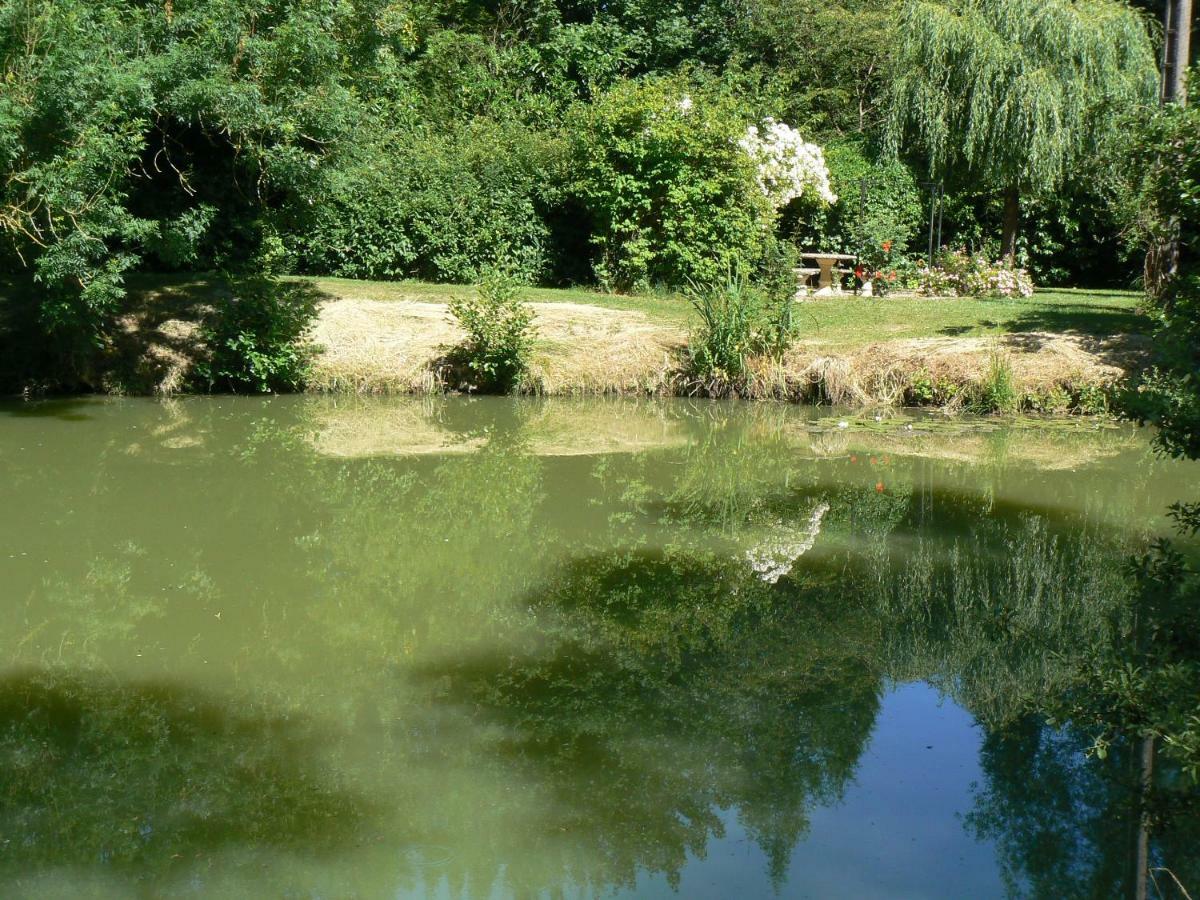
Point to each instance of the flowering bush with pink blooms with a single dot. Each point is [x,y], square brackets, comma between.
[962,274]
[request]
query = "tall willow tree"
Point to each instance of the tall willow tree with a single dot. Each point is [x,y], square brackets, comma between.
[1014,94]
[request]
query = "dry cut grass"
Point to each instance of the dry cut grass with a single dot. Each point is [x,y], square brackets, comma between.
[394,339]
[398,346]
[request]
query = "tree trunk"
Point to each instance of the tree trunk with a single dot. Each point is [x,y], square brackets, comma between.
[1177,24]
[1012,223]
[1162,260]
[1141,871]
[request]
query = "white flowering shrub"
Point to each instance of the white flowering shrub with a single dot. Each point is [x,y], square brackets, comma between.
[787,166]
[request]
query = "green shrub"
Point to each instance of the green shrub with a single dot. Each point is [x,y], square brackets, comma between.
[926,390]
[920,389]
[777,282]
[440,205]
[997,391]
[671,196]
[257,338]
[893,211]
[500,333]
[738,320]
[1092,400]
[1055,400]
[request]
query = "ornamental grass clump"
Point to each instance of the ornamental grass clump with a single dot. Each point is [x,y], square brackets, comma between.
[499,334]
[739,320]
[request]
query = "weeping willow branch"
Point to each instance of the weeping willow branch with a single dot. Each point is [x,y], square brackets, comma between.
[1015,93]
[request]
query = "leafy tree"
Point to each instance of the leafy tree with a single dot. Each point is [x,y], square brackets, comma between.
[826,62]
[1015,94]
[1161,199]
[130,127]
[671,195]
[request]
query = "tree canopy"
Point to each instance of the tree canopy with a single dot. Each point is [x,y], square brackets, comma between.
[1015,93]
[364,138]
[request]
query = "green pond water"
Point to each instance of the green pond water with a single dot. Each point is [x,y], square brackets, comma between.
[298,647]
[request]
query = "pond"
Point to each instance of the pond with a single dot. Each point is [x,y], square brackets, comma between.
[307,647]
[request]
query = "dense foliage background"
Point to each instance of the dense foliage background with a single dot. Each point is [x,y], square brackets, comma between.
[569,141]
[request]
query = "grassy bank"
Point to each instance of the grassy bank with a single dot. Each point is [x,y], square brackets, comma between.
[1055,351]
[838,321]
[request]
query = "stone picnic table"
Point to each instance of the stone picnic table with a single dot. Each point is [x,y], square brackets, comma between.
[825,268]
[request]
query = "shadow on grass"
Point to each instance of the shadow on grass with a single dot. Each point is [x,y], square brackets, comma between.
[160,338]
[153,345]
[1115,334]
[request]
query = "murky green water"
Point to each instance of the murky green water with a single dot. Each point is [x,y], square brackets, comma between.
[454,648]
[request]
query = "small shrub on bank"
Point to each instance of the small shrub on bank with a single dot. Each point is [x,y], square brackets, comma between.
[925,389]
[500,333]
[997,391]
[738,320]
[258,339]
[776,280]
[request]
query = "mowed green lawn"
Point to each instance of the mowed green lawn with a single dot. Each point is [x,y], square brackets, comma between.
[845,320]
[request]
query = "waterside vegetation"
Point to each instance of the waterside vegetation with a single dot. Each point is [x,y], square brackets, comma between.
[565,144]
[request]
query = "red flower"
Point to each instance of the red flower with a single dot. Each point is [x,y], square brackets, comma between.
[887,246]
[858,272]
[891,276]
[879,487]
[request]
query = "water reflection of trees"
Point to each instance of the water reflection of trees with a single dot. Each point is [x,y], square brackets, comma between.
[1066,824]
[661,687]
[148,778]
[590,630]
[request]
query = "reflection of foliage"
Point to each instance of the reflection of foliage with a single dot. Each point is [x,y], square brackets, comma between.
[998,615]
[673,684]
[775,556]
[572,643]
[1145,679]
[1056,818]
[90,615]
[142,775]
[730,476]
[1065,824]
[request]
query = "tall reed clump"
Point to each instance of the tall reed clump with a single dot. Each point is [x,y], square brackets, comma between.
[739,320]
[997,392]
[499,334]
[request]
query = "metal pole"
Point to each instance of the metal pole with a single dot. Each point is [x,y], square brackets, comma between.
[932,203]
[862,229]
[862,213]
[941,205]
